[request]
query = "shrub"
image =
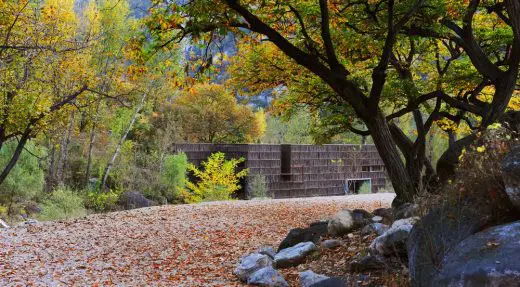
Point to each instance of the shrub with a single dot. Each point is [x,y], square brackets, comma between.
[218,179]
[102,201]
[62,203]
[257,186]
[24,182]
[174,175]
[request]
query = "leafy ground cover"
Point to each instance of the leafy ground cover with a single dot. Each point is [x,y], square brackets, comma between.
[184,245]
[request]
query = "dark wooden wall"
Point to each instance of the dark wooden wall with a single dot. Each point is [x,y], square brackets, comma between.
[300,170]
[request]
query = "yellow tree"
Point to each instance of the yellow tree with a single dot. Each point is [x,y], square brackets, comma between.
[209,113]
[44,68]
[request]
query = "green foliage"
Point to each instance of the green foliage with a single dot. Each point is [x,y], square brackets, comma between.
[26,179]
[257,186]
[102,201]
[62,203]
[217,180]
[173,175]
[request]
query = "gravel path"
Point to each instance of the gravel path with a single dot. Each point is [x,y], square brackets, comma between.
[183,245]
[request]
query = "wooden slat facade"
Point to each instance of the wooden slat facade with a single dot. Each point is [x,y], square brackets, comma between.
[300,170]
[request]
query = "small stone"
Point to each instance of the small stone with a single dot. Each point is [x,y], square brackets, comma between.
[250,264]
[268,277]
[308,277]
[267,250]
[368,263]
[341,223]
[351,249]
[330,243]
[350,235]
[293,256]
[377,219]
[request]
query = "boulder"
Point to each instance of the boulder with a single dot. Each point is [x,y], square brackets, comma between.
[134,199]
[510,167]
[268,277]
[406,210]
[377,228]
[297,235]
[331,282]
[488,258]
[386,213]
[377,219]
[394,241]
[307,278]
[249,264]
[341,223]
[294,255]
[267,250]
[361,217]
[436,234]
[331,243]
[367,263]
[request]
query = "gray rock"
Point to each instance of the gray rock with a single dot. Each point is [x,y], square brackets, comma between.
[297,235]
[386,213]
[436,234]
[294,255]
[28,222]
[267,250]
[394,241]
[487,258]
[377,219]
[511,174]
[268,277]
[377,228]
[341,223]
[405,221]
[367,263]
[250,264]
[307,278]
[331,243]
[331,282]
[406,210]
[361,217]
[134,199]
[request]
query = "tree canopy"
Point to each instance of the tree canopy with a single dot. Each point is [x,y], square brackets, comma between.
[367,63]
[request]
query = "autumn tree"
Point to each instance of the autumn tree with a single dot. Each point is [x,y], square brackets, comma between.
[209,113]
[366,59]
[44,69]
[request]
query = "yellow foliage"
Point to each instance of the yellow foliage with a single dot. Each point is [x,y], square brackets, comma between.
[218,179]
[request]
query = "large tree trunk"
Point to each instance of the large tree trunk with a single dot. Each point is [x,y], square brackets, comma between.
[120,144]
[402,183]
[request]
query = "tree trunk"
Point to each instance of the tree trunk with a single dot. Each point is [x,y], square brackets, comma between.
[92,139]
[120,144]
[51,173]
[16,155]
[401,181]
[64,151]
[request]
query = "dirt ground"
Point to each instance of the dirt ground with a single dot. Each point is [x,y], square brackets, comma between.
[183,245]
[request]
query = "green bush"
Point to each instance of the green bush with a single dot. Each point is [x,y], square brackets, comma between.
[102,201]
[173,175]
[25,181]
[62,203]
[257,186]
